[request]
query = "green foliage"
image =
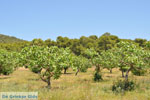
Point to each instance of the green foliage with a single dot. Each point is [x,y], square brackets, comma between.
[63,42]
[94,37]
[122,86]
[9,39]
[109,60]
[50,43]
[7,62]
[147,45]
[96,60]
[107,51]
[38,42]
[107,41]
[90,54]
[130,57]
[139,72]
[141,42]
[14,46]
[66,61]
[80,63]
[88,42]
[46,61]
[36,69]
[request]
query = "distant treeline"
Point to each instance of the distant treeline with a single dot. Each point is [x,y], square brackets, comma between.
[104,42]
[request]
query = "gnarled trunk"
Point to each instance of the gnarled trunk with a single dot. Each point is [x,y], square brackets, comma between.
[46,78]
[127,73]
[77,72]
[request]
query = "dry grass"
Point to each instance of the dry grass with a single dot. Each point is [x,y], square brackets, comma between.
[71,87]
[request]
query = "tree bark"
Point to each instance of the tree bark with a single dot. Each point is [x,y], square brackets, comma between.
[126,77]
[97,68]
[49,83]
[127,73]
[77,72]
[65,70]
[47,79]
[111,71]
[122,73]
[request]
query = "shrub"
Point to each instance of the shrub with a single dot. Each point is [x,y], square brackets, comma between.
[122,86]
[139,72]
[7,70]
[97,77]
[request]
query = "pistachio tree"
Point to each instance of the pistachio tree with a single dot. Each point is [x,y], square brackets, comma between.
[96,60]
[67,60]
[109,60]
[47,60]
[80,63]
[131,57]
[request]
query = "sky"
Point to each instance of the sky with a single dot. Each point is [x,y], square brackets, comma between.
[29,19]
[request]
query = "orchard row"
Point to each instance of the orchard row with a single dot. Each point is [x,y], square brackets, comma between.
[49,62]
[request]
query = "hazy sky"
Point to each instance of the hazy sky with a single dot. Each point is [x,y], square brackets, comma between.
[28,19]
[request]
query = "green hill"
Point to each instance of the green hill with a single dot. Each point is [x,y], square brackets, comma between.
[9,39]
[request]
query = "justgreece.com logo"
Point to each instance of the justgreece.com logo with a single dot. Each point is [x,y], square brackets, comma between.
[18,95]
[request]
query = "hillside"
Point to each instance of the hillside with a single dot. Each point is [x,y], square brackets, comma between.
[9,39]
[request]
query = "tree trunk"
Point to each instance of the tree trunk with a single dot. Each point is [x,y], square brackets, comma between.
[126,77]
[122,73]
[46,79]
[77,72]
[26,66]
[111,71]
[127,73]
[49,83]
[65,70]
[0,69]
[97,69]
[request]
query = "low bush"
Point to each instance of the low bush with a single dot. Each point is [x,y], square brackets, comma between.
[97,77]
[139,72]
[122,86]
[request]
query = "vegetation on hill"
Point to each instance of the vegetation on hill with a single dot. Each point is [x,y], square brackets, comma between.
[9,39]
